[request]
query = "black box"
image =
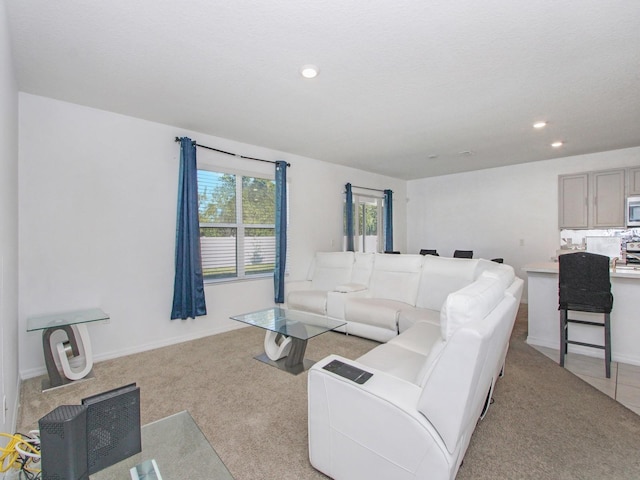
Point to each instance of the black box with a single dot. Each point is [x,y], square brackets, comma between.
[63,443]
[113,426]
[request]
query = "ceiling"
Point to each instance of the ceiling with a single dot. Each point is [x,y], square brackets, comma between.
[405,87]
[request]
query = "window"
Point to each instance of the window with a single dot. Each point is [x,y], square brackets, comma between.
[237,225]
[368,218]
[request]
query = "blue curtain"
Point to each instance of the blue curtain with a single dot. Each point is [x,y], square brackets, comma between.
[188,287]
[281,231]
[349,217]
[388,221]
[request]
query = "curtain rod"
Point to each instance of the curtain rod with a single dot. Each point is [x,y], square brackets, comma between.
[232,154]
[367,188]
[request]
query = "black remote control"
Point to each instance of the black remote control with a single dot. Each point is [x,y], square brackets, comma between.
[350,372]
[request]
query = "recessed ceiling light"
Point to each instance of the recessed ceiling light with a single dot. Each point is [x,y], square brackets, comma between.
[556,144]
[539,124]
[309,71]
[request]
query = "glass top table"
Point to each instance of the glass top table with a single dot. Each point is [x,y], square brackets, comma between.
[179,449]
[287,335]
[76,346]
[75,317]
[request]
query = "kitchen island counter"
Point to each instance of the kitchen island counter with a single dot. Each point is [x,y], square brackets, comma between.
[544,318]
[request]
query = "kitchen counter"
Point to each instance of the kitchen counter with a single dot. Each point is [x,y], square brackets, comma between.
[621,271]
[544,318]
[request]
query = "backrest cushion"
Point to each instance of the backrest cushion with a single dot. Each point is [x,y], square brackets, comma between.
[458,383]
[331,269]
[362,268]
[485,265]
[442,276]
[503,273]
[396,277]
[472,302]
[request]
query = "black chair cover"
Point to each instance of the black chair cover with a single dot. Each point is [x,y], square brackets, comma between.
[584,283]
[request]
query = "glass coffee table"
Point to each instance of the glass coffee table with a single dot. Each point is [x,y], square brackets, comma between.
[287,334]
[179,449]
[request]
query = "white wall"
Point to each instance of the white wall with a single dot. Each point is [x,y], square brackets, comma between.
[509,212]
[8,231]
[97,224]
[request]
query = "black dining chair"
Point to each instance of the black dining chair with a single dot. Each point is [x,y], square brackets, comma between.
[584,286]
[425,251]
[463,254]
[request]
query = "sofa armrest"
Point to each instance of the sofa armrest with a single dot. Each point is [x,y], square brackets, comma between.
[296,285]
[350,287]
[373,430]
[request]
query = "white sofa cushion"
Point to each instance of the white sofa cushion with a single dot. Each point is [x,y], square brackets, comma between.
[350,288]
[314,301]
[470,303]
[331,269]
[377,312]
[452,383]
[420,338]
[409,316]
[396,277]
[441,276]
[362,268]
[394,360]
[503,273]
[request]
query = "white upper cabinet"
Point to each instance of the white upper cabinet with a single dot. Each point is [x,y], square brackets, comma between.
[573,196]
[633,176]
[592,200]
[608,199]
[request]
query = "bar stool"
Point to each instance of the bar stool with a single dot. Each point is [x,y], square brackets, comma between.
[584,286]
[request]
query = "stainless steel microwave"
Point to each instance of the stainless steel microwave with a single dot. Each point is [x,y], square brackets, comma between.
[633,212]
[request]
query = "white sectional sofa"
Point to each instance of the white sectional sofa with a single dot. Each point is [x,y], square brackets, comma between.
[432,379]
[381,295]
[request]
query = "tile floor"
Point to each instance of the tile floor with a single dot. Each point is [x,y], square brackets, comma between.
[623,386]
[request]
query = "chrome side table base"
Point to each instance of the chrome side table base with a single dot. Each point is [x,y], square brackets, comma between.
[65,336]
[73,347]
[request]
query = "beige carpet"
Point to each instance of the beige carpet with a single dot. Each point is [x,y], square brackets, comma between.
[545,422]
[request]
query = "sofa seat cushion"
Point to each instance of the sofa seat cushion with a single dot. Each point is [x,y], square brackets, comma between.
[410,316]
[394,360]
[314,301]
[420,338]
[377,312]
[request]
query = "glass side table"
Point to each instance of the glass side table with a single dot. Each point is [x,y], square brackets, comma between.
[178,447]
[73,324]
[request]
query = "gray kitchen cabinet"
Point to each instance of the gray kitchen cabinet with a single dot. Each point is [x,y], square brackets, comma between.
[607,207]
[573,196]
[591,199]
[633,176]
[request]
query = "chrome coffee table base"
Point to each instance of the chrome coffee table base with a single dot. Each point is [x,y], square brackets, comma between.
[303,366]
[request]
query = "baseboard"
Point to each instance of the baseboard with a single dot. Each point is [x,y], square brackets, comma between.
[589,352]
[37,371]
